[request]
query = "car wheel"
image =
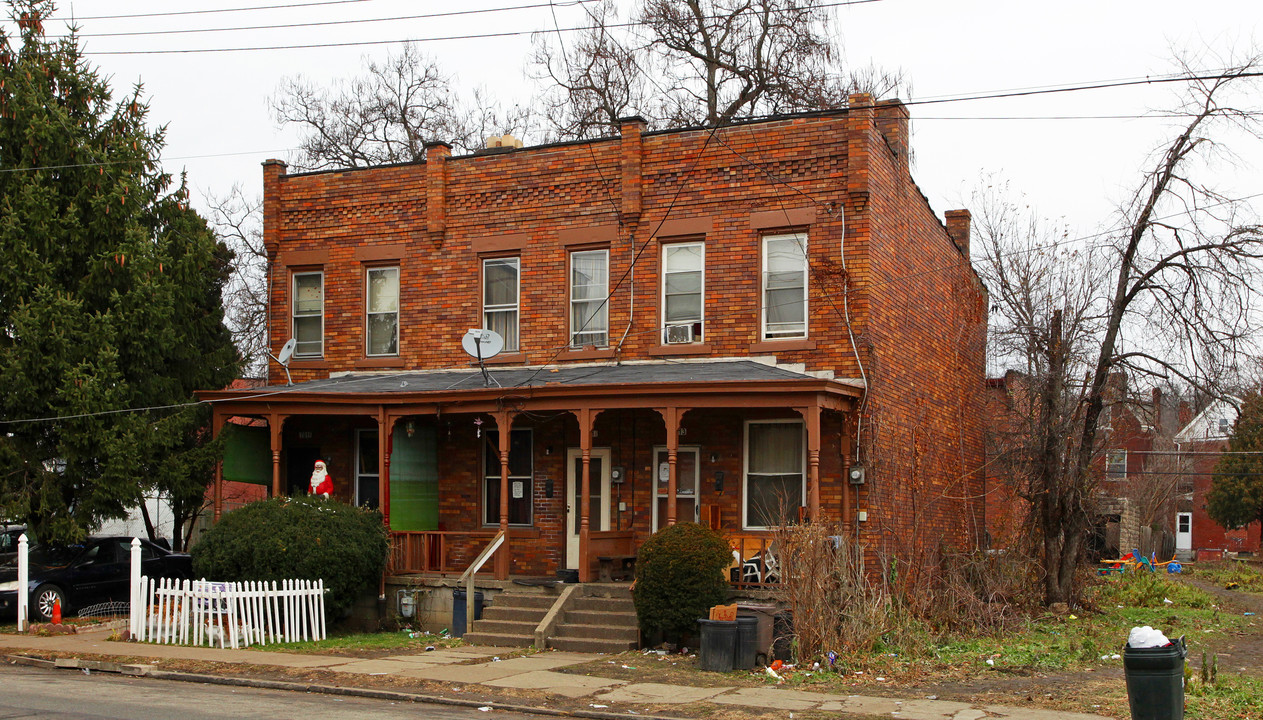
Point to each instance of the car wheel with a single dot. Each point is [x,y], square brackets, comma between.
[47,596]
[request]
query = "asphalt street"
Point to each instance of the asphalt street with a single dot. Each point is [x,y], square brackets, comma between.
[65,694]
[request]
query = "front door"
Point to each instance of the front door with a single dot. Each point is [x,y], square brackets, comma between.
[1184,531]
[598,498]
[687,478]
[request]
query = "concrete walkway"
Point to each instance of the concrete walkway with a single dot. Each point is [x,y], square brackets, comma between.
[482,666]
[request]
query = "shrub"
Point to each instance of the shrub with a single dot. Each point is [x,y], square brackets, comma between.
[680,575]
[304,538]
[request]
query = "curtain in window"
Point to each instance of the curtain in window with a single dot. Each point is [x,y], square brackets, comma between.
[308,319]
[589,284]
[500,299]
[383,311]
[774,474]
[785,286]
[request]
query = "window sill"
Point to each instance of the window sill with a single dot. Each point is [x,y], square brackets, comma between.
[313,364]
[382,362]
[783,345]
[681,349]
[517,358]
[587,354]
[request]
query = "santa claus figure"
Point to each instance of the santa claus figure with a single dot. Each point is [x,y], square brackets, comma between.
[321,483]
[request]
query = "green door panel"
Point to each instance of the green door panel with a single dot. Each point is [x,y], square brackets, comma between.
[414,479]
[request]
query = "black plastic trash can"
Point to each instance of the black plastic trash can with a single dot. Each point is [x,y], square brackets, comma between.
[719,645]
[747,642]
[1155,681]
[458,611]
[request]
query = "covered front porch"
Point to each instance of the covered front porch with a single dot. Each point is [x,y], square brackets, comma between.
[575,466]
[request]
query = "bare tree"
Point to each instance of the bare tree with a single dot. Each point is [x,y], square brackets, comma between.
[1181,276]
[238,222]
[699,62]
[388,114]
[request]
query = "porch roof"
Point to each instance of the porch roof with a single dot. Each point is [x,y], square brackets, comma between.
[638,384]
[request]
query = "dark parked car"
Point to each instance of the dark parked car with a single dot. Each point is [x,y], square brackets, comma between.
[9,542]
[96,571]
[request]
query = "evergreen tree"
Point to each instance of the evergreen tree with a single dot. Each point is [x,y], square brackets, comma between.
[110,291]
[1236,495]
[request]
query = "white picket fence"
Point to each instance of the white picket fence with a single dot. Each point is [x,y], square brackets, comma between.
[197,612]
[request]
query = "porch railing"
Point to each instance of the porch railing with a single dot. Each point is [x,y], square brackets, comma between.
[755,560]
[435,551]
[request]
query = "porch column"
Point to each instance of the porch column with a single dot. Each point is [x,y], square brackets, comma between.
[671,416]
[811,414]
[585,493]
[384,426]
[275,422]
[504,425]
[217,426]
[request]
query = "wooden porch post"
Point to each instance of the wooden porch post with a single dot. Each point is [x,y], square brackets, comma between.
[275,422]
[504,425]
[385,424]
[671,416]
[217,427]
[585,493]
[811,414]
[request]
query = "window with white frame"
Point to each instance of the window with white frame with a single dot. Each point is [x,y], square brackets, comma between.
[682,292]
[382,312]
[775,473]
[308,311]
[1116,464]
[500,296]
[521,477]
[589,288]
[785,286]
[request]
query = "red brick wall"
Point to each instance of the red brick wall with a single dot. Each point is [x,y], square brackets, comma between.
[1207,534]
[914,305]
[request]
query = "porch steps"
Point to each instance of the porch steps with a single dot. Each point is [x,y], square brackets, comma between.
[510,620]
[602,620]
[600,623]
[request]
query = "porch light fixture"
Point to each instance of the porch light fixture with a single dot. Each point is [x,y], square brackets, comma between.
[410,427]
[714,457]
[683,432]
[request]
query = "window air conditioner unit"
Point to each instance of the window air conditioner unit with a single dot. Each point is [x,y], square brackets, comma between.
[679,334]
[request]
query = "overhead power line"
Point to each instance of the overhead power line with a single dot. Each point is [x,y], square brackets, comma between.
[325,23]
[171,13]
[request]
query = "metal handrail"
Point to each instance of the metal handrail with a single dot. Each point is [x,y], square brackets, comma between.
[467,577]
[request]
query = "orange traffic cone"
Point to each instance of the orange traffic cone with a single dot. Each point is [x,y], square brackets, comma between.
[57,612]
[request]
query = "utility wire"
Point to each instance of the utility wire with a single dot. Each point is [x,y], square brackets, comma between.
[77,18]
[323,23]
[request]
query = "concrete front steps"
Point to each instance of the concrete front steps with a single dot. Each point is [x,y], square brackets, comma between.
[593,618]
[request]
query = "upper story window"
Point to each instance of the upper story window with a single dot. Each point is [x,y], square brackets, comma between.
[589,289]
[383,312]
[309,311]
[1225,427]
[785,286]
[500,295]
[1116,464]
[682,292]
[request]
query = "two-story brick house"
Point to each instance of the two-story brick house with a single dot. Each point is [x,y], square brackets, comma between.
[698,324]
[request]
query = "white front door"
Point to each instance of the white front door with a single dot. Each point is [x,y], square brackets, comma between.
[1184,531]
[687,478]
[598,499]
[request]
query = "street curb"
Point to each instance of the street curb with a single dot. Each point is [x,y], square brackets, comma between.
[395,695]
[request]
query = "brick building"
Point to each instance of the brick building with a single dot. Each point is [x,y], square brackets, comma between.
[1201,441]
[698,324]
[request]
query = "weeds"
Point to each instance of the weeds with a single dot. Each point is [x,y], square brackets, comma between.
[1240,574]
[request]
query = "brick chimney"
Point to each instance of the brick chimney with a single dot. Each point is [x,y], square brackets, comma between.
[272,172]
[1157,411]
[958,228]
[631,129]
[436,154]
[892,122]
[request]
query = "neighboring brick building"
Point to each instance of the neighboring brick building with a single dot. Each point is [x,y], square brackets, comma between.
[774,288]
[1201,441]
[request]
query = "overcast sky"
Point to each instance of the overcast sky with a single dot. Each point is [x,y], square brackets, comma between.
[1075,154]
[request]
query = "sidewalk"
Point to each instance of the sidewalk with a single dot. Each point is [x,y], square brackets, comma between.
[480,665]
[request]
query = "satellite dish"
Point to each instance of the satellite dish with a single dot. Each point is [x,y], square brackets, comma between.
[287,351]
[482,344]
